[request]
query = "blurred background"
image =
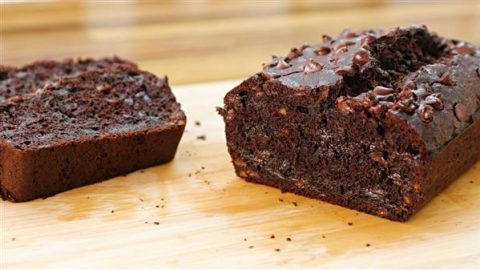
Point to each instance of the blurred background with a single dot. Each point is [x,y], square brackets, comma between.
[207,40]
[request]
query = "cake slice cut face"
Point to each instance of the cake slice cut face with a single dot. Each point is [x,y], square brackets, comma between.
[377,121]
[77,129]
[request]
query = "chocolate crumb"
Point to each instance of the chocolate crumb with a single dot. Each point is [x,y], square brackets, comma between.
[460,112]
[156,223]
[289,239]
[272,236]
[202,137]
[197,123]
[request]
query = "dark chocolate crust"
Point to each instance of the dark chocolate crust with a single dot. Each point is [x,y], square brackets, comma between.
[370,120]
[105,119]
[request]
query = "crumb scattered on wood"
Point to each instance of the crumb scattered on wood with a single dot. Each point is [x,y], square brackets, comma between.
[202,137]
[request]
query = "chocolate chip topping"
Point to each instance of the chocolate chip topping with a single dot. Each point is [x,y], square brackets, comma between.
[312,66]
[281,64]
[323,50]
[461,112]
[425,113]
[294,53]
[446,79]
[435,100]
[361,57]
[382,91]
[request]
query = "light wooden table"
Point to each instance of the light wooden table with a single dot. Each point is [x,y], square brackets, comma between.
[194,211]
[197,41]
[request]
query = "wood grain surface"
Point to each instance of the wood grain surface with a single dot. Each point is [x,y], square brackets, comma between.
[197,41]
[194,212]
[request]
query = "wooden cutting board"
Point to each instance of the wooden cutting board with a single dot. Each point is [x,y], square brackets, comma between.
[194,212]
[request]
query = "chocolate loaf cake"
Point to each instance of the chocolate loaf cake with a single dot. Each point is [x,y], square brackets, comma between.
[377,121]
[71,124]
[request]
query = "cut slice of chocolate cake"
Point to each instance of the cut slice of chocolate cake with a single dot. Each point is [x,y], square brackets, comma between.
[377,121]
[107,120]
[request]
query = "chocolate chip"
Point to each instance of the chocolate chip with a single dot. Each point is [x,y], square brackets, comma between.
[312,66]
[435,100]
[361,58]
[425,113]
[322,51]
[281,64]
[464,49]
[341,48]
[304,46]
[461,112]
[294,53]
[344,71]
[326,38]
[380,90]
[446,79]
[367,40]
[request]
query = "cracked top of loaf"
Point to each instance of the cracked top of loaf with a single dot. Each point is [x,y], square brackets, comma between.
[431,82]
